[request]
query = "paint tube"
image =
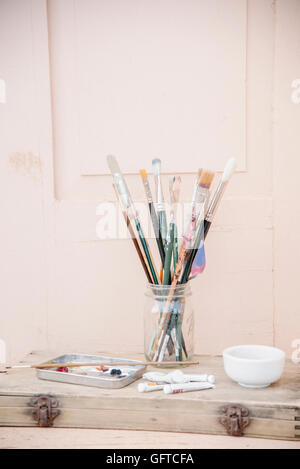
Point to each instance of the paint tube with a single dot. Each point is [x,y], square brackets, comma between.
[186,387]
[177,376]
[149,387]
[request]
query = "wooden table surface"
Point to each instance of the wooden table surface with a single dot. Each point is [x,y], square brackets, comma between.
[77,438]
[31,437]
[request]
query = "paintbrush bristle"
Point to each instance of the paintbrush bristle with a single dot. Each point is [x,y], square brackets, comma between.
[143,173]
[206,178]
[229,169]
[156,164]
[113,165]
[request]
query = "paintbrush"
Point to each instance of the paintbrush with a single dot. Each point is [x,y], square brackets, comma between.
[128,205]
[156,165]
[211,211]
[191,258]
[202,192]
[200,198]
[134,239]
[103,363]
[153,215]
[216,198]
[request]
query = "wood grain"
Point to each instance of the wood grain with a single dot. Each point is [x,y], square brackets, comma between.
[273,410]
[74,438]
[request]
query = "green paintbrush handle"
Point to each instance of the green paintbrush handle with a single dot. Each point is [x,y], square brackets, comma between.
[163,225]
[175,247]
[157,232]
[168,258]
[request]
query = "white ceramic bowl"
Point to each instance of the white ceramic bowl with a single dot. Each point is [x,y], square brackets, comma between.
[254,366]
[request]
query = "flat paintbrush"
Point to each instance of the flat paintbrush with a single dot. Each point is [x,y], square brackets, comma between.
[50,365]
[211,211]
[128,205]
[200,198]
[103,363]
[134,239]
[216,198]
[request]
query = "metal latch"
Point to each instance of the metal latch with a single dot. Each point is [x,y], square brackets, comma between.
[235,418]
[45,409]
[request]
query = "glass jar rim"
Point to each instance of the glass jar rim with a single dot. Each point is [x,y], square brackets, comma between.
[161,291]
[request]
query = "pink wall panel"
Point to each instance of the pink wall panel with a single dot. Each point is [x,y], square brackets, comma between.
[148,78]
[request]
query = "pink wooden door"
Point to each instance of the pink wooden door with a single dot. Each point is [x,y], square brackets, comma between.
[188,81]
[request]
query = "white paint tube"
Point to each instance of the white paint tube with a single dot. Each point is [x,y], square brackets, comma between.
[155,376]
[186,387]
[149,387]
[177,376]
[180,377]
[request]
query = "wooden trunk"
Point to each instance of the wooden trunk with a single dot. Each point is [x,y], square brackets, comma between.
[274,412]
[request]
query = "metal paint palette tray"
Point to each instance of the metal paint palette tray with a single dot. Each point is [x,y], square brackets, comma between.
[90,376]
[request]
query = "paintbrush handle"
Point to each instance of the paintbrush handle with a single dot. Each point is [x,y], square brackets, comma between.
[134,239]
[163,225]
[146,251]
[175,247]
[202,232]
[157,232]
[116,363]
[168,258]
[153,214]
[128,204]
[137,247]
[207,225]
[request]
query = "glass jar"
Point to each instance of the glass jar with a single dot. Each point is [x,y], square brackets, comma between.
[168,323]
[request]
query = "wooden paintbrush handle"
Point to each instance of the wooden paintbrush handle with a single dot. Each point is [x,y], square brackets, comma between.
[77,365]
[134,238]
[146,251]
[137,247]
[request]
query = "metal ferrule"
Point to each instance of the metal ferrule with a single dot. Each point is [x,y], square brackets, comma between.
[160,206]
[215,201]
[160,199]
[147,190]
[124,193]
